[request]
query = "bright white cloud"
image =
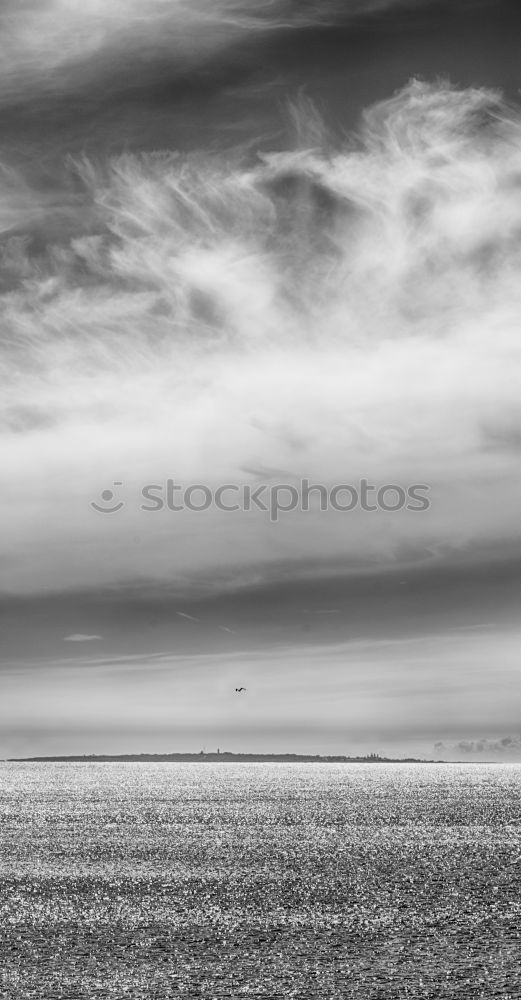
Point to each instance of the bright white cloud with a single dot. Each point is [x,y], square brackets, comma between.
[335,315]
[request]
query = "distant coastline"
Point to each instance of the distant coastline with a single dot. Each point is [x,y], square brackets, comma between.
[223,757]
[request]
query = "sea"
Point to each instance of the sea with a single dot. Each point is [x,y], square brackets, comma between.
[368,881]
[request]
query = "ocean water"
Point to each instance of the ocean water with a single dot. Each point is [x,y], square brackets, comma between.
[255,880]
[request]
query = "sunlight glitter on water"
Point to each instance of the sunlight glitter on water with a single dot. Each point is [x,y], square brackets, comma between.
[137,880]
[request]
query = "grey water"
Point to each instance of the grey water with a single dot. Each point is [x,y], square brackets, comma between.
[260,880]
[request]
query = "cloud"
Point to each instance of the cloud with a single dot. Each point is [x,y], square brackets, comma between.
[345,311]
[506,744]
[79,637]
[485,745]
[56,45]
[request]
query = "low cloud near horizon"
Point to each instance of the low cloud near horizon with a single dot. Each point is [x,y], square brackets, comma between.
[79,637]
[500,746]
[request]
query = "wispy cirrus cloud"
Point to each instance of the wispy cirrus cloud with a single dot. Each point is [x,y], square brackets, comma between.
[55,44]
[80,637]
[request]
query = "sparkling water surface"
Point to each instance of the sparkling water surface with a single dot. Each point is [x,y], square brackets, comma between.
[260,880]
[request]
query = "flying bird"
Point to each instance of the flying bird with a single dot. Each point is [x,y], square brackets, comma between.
[239,690]
[183,614]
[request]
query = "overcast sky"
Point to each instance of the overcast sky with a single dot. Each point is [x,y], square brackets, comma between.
[284,247]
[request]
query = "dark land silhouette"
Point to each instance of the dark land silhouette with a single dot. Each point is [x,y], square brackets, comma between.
[223,757]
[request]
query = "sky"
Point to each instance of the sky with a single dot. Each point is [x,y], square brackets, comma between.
[282,250]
